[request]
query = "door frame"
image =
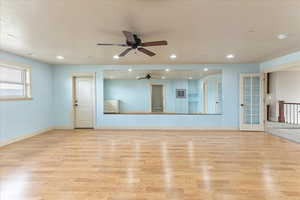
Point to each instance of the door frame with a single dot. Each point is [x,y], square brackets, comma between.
[91,75]
[164,92]
[205,96]
[259,127]
[219,98]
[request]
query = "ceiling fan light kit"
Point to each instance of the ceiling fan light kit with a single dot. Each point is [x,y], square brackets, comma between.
[133,42]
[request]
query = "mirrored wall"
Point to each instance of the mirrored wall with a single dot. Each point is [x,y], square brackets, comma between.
[194,92]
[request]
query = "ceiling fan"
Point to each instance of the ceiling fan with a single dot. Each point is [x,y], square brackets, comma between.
[147,77]
[134,42]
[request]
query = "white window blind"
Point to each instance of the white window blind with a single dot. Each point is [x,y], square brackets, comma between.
[14,82]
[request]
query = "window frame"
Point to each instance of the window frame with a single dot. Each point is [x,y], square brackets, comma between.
[26,80]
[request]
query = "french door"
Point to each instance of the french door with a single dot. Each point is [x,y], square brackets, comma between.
[251,102]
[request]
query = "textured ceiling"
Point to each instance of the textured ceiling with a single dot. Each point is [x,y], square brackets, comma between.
[198,31]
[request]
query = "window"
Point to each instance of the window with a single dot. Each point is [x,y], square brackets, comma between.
[14,82]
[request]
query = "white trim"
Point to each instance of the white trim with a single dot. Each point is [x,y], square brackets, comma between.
[63,127]
[82,74]
[75,75]
[167,128]
[26,136]
[15,98]
[205,96]
[280,67]
[15,65]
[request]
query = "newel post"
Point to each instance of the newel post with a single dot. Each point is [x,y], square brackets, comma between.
[281,112]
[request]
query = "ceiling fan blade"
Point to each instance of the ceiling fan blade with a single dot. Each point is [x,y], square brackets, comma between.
[129,37]
[156,43]
[146,51]
[124,53]
[109,44]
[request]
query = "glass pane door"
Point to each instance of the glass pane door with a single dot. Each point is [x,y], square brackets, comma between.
[251,102]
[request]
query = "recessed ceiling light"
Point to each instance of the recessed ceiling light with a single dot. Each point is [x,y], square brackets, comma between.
[60,57]
[282,36]
[173,56]
[167,70]
[163,77]
[205,69]
[11,36]
[116,57]
[190,78]
[230,56]
[130,70]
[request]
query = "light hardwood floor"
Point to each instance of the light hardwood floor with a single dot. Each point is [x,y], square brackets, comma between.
[150,165]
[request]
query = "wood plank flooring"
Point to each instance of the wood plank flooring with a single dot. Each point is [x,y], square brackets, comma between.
[150,165]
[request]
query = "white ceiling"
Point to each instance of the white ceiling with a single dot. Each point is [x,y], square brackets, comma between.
[158,74]
[198,31]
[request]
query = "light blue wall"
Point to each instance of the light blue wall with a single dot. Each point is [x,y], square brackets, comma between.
[18,118]
[134,95]
[229,119]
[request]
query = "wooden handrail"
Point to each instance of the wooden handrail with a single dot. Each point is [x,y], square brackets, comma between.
[292,103]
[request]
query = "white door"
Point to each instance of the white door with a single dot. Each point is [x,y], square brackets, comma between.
[84,102]
[251,101]
[212,92]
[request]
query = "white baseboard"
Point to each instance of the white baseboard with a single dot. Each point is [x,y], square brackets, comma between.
[23,137]
[167,128]
[63,128]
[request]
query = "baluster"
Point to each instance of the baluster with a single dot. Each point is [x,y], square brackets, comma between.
[294,122]
[298,114]
[288,113]
[290,105]
[290,110]
[292,114]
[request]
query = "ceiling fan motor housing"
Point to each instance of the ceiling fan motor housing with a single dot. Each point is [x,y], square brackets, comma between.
[138,42]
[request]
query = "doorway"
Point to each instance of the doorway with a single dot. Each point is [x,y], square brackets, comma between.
[157,98]
[212,97]
[251,102]
[83,102]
